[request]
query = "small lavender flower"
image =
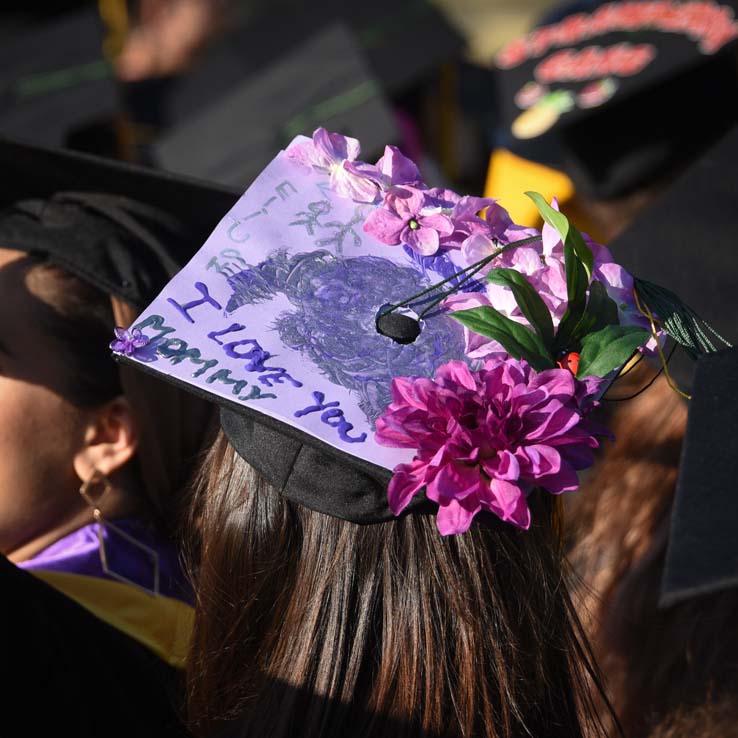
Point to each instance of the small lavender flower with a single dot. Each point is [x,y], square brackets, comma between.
[127,342]
[408,217]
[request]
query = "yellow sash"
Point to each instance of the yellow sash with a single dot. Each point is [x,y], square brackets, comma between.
[162,624]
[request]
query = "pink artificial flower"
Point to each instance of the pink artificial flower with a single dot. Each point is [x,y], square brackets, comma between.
[336,155]
[485,439]
[398,169]
[408,216]
[544,267]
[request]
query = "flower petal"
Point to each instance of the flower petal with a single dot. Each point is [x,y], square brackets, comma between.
[354,182]
[509,503]
[455,516]
[334,148]
[406,482]
[423,240]
[395,165]
[385,225]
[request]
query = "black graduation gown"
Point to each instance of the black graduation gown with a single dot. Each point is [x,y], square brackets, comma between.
[66,672]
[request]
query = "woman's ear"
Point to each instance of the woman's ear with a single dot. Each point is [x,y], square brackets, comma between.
[110,439]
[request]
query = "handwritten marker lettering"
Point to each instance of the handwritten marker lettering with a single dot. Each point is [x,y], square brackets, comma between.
[319,398]
[224,375]
[155,322]
[233,327]
[333,416]
[278,376]
[177,350]
[283,189]
[202,288]
[234,238]
[254,357]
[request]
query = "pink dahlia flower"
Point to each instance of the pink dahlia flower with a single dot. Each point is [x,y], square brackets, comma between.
[485,439]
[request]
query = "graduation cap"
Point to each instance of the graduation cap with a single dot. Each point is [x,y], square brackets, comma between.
[55,81]
[621,94]
[324,79]
[122,228]
[310,314]
[702,556]
[402,44]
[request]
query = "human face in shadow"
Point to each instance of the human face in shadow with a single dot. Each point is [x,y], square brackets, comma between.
[40,430]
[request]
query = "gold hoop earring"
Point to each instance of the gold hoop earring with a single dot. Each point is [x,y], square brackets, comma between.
[92,492]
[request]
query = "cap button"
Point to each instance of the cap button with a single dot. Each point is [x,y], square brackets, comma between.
[400,328]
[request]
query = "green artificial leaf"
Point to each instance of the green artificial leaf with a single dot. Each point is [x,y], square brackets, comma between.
[529,302]
[609,348]
[569,234]
[518,340]
[576,290]
[601,311]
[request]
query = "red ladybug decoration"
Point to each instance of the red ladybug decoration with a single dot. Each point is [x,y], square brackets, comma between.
[570,361]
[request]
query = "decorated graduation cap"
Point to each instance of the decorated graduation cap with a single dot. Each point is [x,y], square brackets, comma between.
[606,86]
[324,77]
[122,228]
[379,347]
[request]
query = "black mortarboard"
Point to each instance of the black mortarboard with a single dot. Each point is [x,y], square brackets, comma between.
[686,242]
[122,228]
[323,80]
[55,81]
[702,555]
[621,93]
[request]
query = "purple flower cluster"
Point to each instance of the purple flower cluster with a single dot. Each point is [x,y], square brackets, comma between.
[543,265]
[427,220]
[485,439]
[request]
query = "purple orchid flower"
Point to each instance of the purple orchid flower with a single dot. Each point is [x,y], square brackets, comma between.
[408,216]
[127,342]
[336,155]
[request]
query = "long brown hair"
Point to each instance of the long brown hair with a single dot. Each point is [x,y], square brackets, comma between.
[313,626]
[173,426]
[659,664]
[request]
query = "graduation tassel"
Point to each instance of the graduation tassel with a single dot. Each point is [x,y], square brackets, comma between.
[646,312]
[679,321]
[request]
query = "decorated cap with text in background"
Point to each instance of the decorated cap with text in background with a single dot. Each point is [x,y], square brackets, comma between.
[380,347]
[609,84]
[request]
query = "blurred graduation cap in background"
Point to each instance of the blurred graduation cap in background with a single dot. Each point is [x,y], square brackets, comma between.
[122,228]
[323,81]
[56,86]
[403,43]
[686,242]
[620,94]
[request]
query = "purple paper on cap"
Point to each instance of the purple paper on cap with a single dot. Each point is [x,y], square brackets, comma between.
[276,313]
